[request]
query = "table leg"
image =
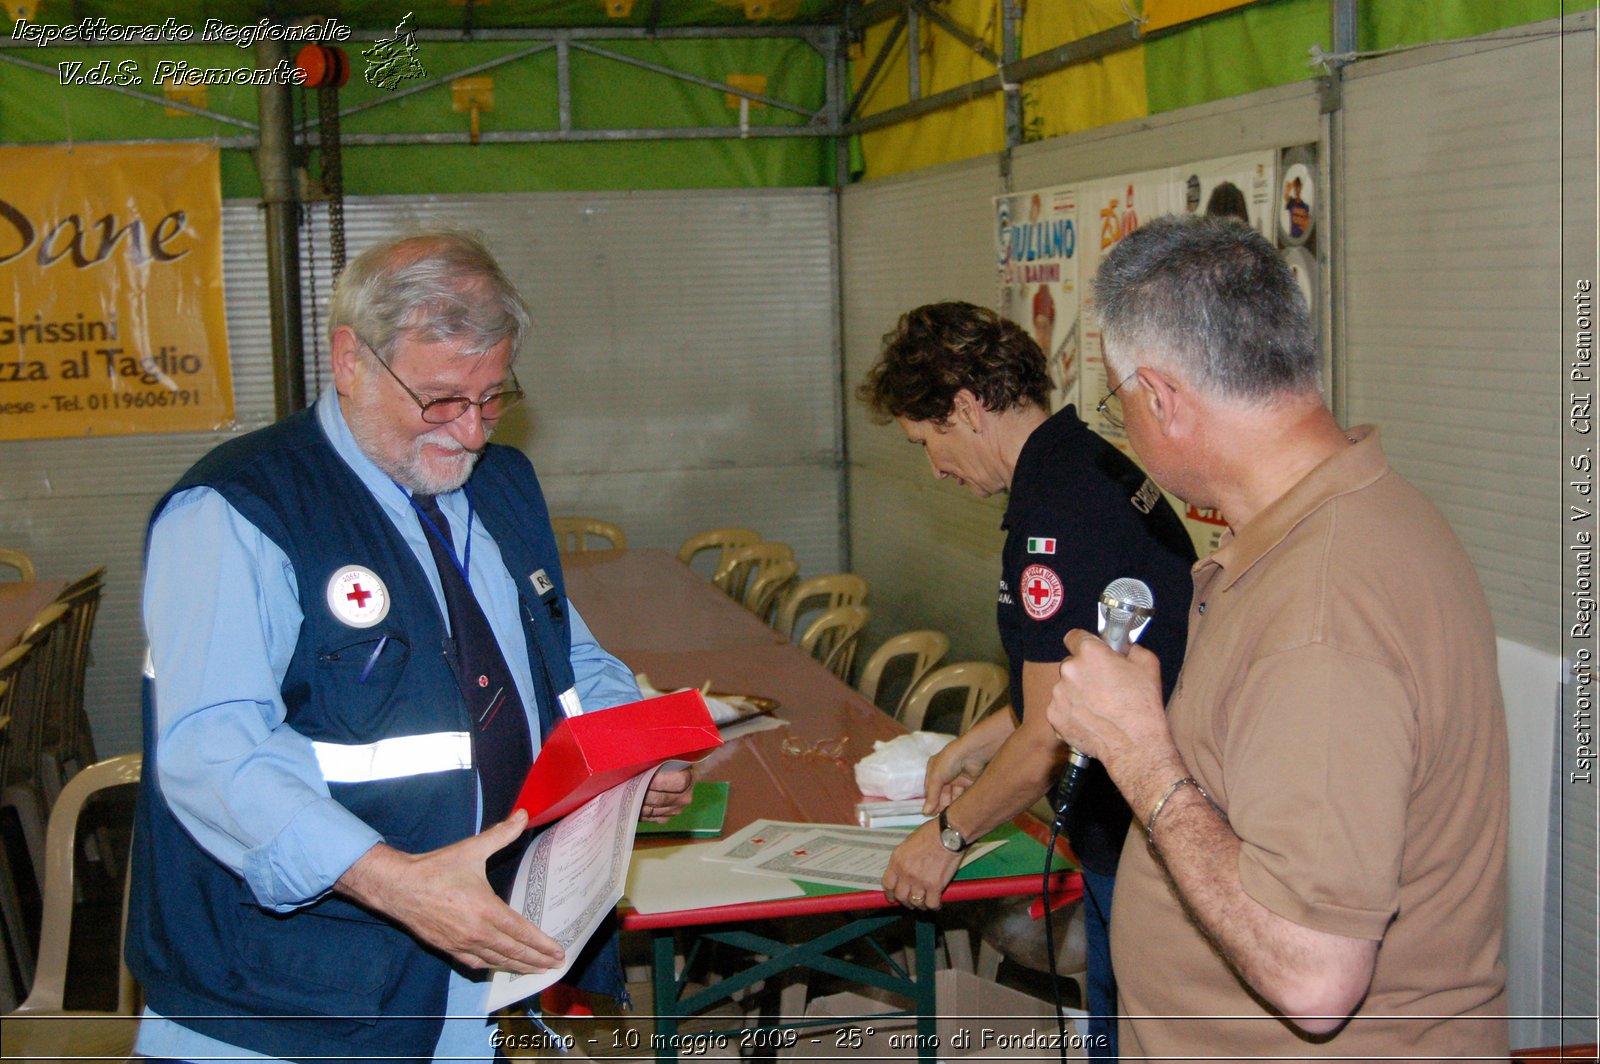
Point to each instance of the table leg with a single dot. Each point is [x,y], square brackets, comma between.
[927,994]
[664,976]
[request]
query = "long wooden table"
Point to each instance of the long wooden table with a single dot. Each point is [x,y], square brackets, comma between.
[20,603]
[662,619]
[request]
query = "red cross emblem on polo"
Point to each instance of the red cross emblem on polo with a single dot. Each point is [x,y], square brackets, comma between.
[1041,592]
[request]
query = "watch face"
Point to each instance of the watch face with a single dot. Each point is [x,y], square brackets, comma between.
[949,837]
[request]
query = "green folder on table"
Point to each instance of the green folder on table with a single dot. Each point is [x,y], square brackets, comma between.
[701,818]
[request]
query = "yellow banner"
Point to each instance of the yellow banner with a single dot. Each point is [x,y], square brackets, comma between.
[111,307]
[1159,14]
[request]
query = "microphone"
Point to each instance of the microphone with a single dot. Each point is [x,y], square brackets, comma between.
[1123,613]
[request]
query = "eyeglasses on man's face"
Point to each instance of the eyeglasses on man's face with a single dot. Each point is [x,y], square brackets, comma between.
[445,410]
[1110,408]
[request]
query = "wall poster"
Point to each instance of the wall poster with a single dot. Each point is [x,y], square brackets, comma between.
[111,302]
[1037,240]
[1036,260]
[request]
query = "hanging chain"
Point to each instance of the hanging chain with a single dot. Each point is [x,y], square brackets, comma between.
[308,225]
[332,172]
[308,236]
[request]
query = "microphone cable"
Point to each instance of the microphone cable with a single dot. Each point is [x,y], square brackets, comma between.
[1050,934]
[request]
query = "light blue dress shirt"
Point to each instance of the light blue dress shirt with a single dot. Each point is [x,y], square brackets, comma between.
[222,613]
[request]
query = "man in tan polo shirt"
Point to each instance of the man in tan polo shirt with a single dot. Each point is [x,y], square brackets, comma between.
[1316,866]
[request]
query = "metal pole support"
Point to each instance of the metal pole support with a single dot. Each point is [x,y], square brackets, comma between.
[281,200]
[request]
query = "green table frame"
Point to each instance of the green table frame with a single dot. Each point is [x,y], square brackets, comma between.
[868,914]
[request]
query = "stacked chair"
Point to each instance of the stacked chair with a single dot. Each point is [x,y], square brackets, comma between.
[833,637]
[821,593]
[16,966]
[769,587]
[743,569]
[27,794]
[45,743]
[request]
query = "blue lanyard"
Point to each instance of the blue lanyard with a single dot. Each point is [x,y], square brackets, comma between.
[465,563]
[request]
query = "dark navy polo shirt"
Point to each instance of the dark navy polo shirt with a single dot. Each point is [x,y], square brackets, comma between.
[1081,514]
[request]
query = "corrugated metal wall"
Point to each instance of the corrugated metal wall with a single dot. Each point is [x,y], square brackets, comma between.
[1457,213]
[929,549]
[683,374]
[1571,920]
[1453,259]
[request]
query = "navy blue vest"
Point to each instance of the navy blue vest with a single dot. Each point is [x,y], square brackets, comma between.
[199,943]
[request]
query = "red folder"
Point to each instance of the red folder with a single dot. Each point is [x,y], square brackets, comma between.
[589,754]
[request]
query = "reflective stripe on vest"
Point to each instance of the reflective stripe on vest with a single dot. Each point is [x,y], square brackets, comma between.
[387,759]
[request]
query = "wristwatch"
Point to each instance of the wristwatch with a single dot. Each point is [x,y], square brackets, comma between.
[950,837]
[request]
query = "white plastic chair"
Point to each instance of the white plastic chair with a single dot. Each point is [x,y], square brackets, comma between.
[821,593]
[832,638]
[768,588]
[744,566]
[984,681]
[18,560]
[925,647]
[37,1028]
[722,540]
[572,534]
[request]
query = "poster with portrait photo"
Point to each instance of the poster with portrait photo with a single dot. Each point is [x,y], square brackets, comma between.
[1239,186]
[1036,245]
[1297,203]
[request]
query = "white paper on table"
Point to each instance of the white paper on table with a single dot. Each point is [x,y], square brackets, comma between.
[761,835]
[570,878]
[841,858]
[751,725]
[674,878]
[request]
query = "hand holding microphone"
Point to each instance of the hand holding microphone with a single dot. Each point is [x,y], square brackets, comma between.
[1123,613]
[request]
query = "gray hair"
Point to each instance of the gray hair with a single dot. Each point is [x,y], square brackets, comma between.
[1208,297]
[430,286]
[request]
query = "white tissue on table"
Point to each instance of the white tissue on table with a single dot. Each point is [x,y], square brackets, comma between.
[897,769]
[721,712]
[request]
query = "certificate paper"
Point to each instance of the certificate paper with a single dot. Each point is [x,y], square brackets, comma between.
[570,878]
[761,835]
[675,878]
[841,858]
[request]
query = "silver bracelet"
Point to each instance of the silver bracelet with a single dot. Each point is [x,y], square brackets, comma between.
[1150,825]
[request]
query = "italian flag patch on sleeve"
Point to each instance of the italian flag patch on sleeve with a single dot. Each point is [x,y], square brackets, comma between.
[1041,545]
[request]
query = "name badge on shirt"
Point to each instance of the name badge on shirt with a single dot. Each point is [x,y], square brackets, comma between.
[545,588]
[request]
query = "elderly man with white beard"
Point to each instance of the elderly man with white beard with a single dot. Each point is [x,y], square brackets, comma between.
[358,636]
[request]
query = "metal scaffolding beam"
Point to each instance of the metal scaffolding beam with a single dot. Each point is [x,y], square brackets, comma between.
[838,117]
